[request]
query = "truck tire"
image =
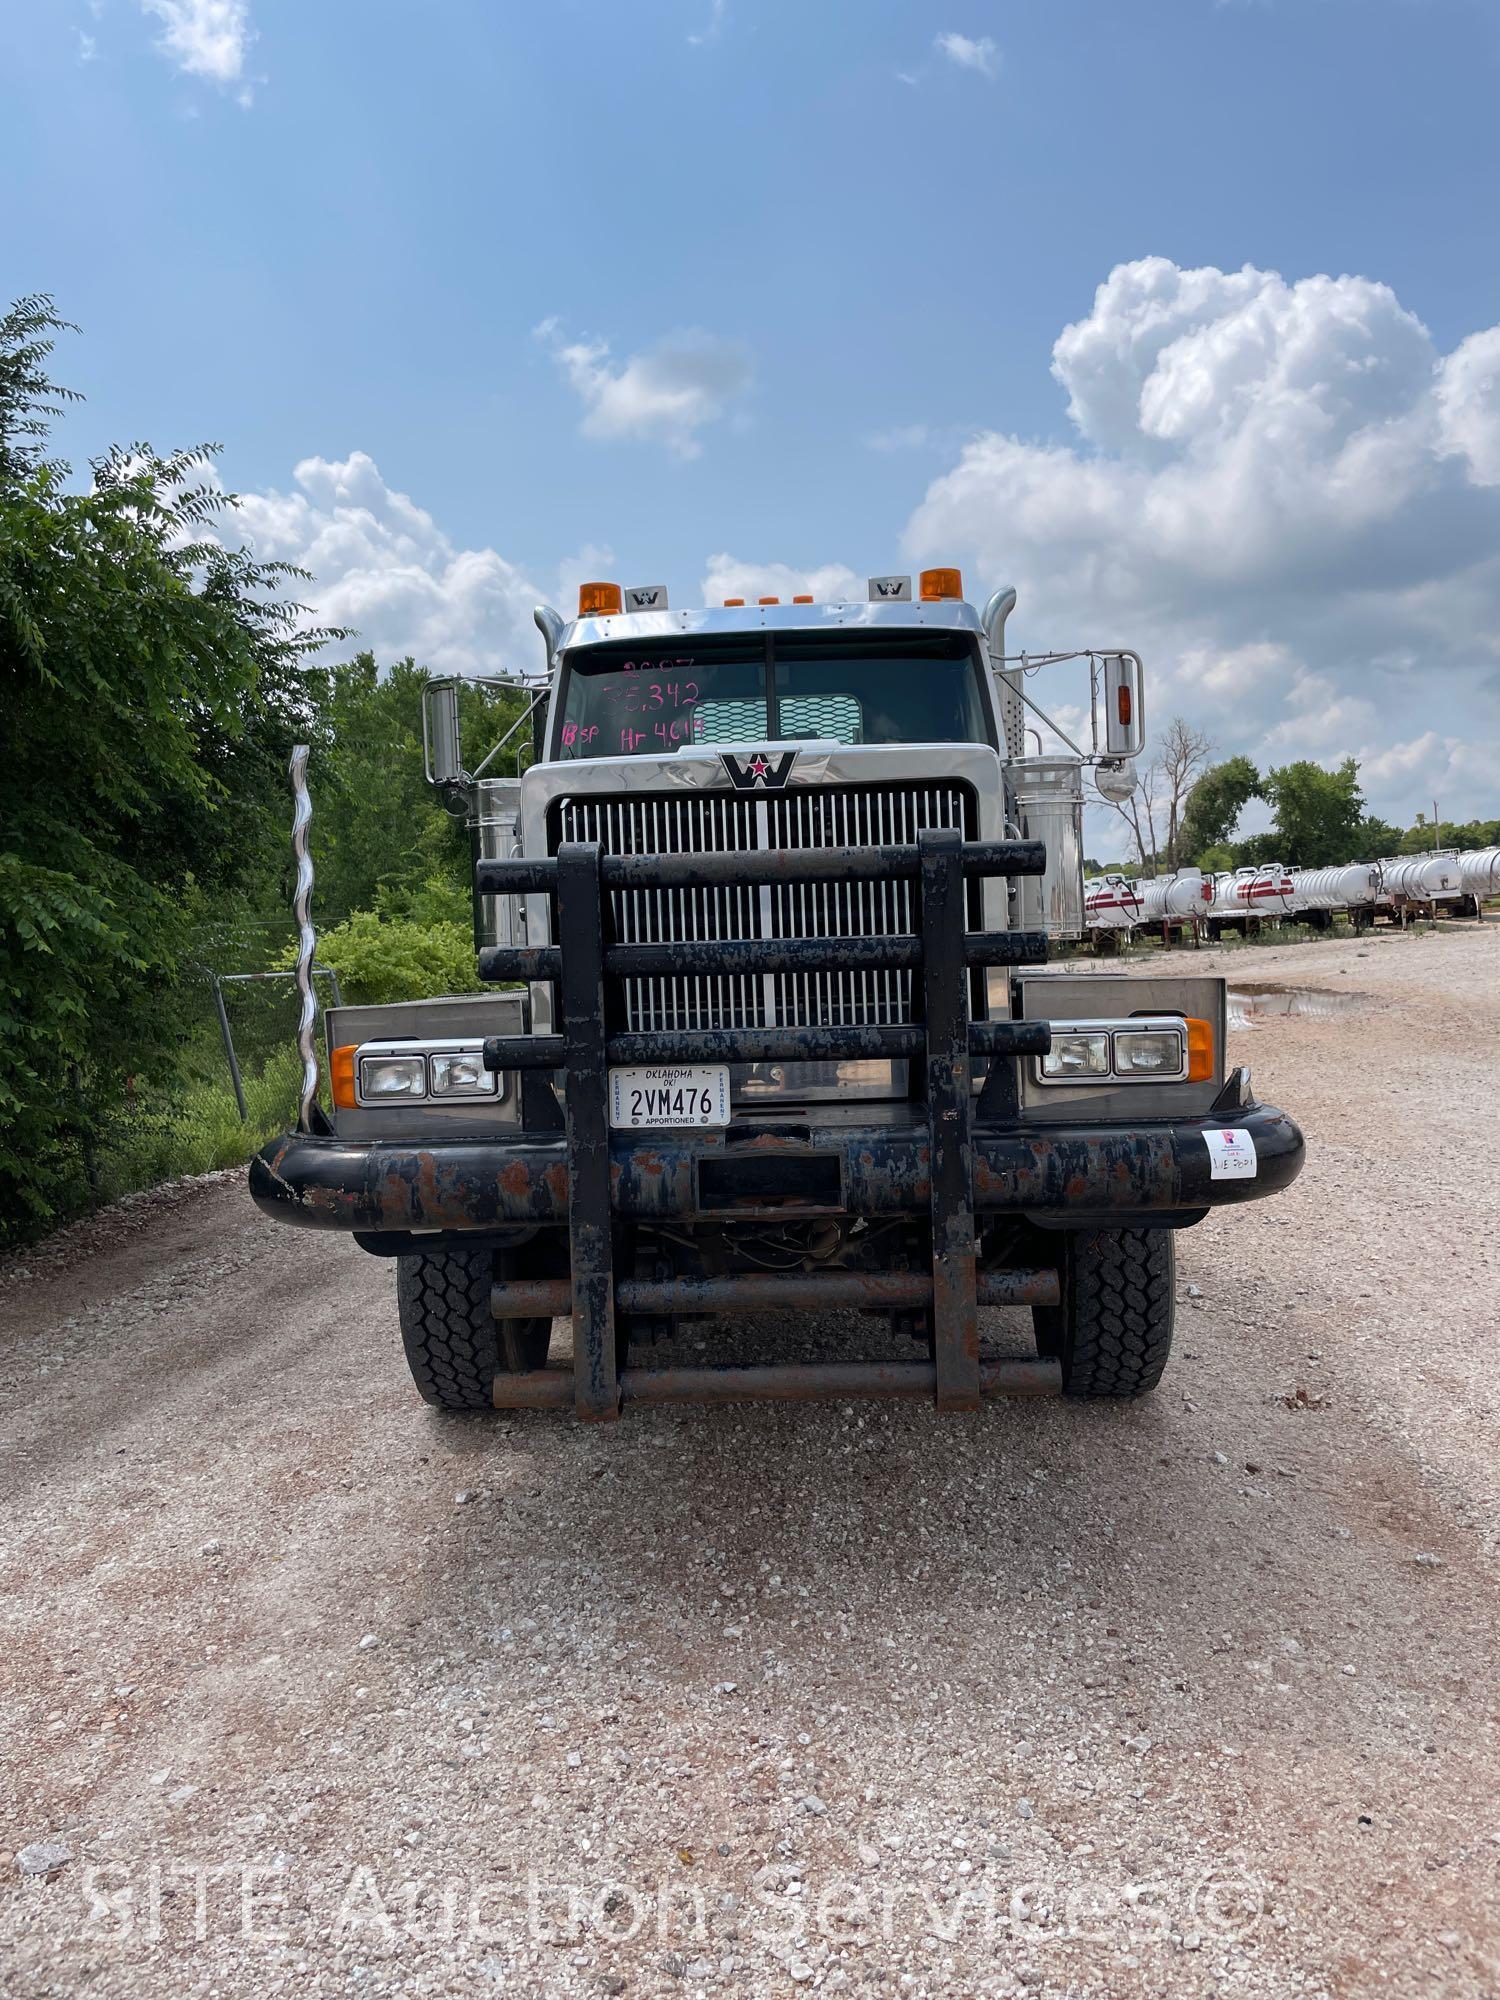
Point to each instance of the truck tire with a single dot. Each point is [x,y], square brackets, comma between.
[1113,1330]
[455,1347]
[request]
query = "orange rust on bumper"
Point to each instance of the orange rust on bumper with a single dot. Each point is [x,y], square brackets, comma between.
[1087,1175]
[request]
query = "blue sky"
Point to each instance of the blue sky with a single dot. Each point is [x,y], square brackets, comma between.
[792,266]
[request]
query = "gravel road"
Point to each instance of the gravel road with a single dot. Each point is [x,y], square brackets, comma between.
[306,1689]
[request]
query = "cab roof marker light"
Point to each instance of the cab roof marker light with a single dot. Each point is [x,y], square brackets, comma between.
[598,600]
[802,600]
[936,584]
[768,600]
[733,603]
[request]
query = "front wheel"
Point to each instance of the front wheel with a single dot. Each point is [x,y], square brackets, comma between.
[455,1347]
[1112,1331]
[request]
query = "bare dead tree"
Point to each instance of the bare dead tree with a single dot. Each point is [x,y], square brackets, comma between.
[1139,814]
[1155,807]
[1184,756]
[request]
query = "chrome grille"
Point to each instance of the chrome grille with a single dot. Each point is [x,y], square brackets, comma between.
[719,822]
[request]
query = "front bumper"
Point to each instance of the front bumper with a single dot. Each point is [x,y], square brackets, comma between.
[1061,1176]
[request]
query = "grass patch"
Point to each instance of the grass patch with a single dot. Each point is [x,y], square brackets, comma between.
[190,1123]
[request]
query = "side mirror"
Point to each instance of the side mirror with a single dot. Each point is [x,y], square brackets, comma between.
[1124,705]
[1115,782]
[442,751]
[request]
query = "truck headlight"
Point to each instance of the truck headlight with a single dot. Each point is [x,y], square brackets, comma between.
[461,1073]
[1150,1052]
[1150,1048]
[393,1076]
[1077,1055]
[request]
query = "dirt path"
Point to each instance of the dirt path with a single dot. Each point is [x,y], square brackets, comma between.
[1196,1696]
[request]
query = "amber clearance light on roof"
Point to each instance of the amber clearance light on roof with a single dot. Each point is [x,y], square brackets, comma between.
[598,600]
[937,583]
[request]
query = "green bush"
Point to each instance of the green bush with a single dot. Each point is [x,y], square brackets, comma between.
[379,958]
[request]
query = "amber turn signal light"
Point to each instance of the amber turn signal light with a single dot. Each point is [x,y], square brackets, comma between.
[938,583]
[341,1075]
[1200,1036]
[598,600]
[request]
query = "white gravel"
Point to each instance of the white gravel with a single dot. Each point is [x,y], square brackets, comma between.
[1196,1696]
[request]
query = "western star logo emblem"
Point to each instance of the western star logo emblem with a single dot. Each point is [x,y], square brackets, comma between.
[762,770]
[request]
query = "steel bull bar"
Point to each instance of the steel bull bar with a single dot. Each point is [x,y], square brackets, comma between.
[582,965]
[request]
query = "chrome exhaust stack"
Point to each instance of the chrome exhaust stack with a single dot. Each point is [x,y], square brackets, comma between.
[307,938]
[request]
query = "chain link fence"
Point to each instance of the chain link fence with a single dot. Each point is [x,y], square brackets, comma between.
[231,1082]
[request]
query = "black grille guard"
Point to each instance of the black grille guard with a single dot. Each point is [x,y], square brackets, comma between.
[945,1155]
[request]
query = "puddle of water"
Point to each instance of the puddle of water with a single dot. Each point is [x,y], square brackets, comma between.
[1269,1000]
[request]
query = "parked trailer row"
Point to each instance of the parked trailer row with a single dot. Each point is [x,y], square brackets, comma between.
[1243,899]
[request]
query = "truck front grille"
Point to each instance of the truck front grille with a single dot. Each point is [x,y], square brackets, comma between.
[719,822]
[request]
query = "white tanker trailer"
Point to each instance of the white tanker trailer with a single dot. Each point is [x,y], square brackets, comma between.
[1111,907]
[1419,881]
[1347,888]
[1111,902]
[1176,899]
[1479,872]
[1318,892]
[1250,895]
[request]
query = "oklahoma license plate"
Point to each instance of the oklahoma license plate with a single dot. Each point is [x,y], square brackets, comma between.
[676,1094]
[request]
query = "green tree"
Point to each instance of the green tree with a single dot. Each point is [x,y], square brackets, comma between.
[1375,839]
[1318,813]
[1256,849]
[1419,839]
[378,832]
[1461,836]
[1214,805]
[149,693]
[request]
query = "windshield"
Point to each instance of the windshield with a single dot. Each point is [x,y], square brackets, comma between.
[625,700]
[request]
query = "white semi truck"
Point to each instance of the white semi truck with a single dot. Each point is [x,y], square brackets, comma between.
[765,925]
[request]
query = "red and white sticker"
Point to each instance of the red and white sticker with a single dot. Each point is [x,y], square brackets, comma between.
[1231,1155]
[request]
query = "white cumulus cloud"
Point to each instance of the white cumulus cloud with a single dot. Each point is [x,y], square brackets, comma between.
[667,393]
[730,576]
[1469,405]
[381,564]
[970,52]
[1286,498]
[207,38]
